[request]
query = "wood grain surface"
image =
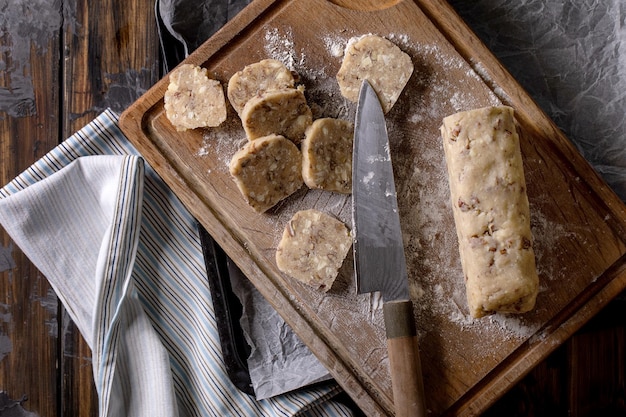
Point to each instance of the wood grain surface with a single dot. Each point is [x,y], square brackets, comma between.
[29,126]
[62,62]
[578,223]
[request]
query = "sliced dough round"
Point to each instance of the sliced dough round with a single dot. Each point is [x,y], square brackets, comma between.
[193,100]
[379,61]
[255,79]
[327,155]
[282,112]
[267,170]
[313,248]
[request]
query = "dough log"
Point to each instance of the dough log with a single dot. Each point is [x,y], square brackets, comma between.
[491,210]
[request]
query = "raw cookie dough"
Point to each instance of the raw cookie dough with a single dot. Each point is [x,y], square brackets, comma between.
[255,79]
[491,210]
[267,170]
[327,155]
[378,60]
[282,112]
[313,247]
[193,100]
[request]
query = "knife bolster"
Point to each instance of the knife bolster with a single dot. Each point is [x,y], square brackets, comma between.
[399,319]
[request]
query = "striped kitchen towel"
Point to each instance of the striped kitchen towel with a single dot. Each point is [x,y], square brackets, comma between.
[124,257]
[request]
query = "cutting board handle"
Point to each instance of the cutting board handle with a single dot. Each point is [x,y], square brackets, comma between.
[365,5]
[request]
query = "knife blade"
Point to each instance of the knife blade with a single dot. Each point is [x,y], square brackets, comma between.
[379,258]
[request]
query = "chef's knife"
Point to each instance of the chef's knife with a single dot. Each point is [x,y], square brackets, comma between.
[379,259]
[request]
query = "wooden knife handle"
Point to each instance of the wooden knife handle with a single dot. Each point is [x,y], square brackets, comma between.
[404,359]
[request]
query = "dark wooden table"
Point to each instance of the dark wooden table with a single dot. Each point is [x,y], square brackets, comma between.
[64,61]
[61,64]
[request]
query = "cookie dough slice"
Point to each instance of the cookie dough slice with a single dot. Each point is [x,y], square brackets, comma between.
[194,100]
[267,170]
[491,210]
[379,61]
[313,248]
[255,79]
[282,112]
[327,155]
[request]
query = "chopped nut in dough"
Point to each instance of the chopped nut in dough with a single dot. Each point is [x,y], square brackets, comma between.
[378,60]
[327,155]
[255,79]
[193,100]
[313,248]
[267,170]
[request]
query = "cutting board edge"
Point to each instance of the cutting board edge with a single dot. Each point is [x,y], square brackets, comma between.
[495,76]
[553,334]
[132,125]
[267,280]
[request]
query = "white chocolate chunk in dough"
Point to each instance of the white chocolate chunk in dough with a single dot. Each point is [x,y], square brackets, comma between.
[255,79]
[267,170]
[313,248]
[327,155]
[378,60]
[491,210]
[281,112]
[193,100]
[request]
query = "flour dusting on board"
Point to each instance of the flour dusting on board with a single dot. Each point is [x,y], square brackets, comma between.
[321,87]
[335,46]
[428,194]
[222,142]
[279,45]
[423,191]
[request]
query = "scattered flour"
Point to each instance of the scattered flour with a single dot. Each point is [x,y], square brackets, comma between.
[279,45]
[220,144]
[430,243]
[426,193]
[335,46]
[514,325]
[205,149]
[401,39]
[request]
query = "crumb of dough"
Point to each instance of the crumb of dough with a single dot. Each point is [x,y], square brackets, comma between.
[267,170]
[193,100]
[381,62]
[282,112]
[255,79]
[327,155]
[313,248]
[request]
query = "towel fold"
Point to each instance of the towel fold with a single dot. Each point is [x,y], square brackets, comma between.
[124,257]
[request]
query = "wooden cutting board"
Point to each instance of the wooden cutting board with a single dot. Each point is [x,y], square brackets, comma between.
[579,225]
